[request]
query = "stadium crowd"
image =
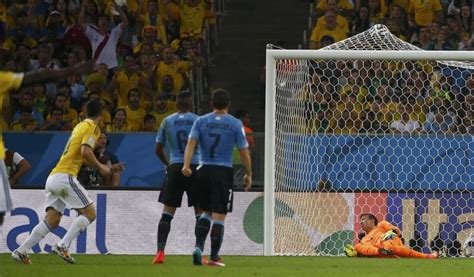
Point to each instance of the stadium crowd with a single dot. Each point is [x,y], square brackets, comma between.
[401,97]
[145,52]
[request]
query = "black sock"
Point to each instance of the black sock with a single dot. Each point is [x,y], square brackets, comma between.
[2,215]
[163,230]
[202,229]
[217,235]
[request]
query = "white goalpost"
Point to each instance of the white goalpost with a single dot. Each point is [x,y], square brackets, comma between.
[371,124]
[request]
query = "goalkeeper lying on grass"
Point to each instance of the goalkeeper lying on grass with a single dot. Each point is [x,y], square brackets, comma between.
[382,240]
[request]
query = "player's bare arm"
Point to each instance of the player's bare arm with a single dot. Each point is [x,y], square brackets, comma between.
[188,155]
[247,163]
[160,152]
[51,75]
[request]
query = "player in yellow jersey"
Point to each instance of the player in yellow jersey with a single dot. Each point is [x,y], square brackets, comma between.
[13,81]
[64,191]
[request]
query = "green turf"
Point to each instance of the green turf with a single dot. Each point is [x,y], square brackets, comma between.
[115,265]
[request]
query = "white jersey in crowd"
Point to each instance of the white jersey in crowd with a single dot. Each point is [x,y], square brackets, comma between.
[409,126]
[108,55]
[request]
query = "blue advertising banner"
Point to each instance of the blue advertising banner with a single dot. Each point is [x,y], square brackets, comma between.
[385,162]
[42,150]
[443,217]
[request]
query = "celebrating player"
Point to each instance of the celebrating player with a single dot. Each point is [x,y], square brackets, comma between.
[174,132]
[63,190]
[13,81]
[382,240]
[216,133]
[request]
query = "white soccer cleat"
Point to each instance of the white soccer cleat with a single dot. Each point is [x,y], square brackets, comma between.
[63,253]
[21,257]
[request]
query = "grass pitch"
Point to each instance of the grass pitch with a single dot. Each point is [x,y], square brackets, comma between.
[118,265]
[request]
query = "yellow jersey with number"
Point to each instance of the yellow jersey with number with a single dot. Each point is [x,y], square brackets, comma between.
[8,81]
[85,133]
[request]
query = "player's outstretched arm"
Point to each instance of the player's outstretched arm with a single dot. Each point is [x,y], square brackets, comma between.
[247,163]
[52,75]
[188,156]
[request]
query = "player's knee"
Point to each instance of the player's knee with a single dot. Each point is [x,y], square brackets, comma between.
[90,213]
[53,217]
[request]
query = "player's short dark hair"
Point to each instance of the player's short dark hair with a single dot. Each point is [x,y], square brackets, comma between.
[371,217]
[94,108]
[220,99]
[183,101]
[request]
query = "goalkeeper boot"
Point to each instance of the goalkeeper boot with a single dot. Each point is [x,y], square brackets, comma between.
[159,258]
[197,256]
[350,251]
[63,253]
[21,257]
[216,262]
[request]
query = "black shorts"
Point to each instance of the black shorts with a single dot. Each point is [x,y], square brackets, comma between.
[214,188]
[176,184]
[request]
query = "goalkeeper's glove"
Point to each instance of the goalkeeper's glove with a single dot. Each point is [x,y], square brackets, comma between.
[389,235]
[350,251]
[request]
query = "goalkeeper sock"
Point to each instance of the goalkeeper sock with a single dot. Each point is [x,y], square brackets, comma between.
[164,228]
[217,235]
[79,224]
[202,229]
[36,235]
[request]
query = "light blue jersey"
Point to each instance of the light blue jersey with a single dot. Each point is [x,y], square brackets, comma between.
[174,132]
[216,135]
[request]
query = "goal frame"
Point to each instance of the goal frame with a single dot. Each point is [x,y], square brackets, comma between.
[270,105]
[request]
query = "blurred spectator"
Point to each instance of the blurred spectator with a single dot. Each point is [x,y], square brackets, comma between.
[193,14]
[438,124]
[149,38]
[95,84]
[399,16]
[103,41]
[69,115]
[119,123]
[149,123]
[41,102]
[134,113]
[55,121]
[326,41]
[26,122]
[44,58]
[405,124]
[328,28]
[125,79]
[16,165]
[424,38]
[244,116]
[343,123]
[167,88]
[163,108]
[27,101]
[370,124]
[170,65]
[90,177]
[106,117]
[341,21]
[344,7]
[423,13]
[361,21]
[152,19]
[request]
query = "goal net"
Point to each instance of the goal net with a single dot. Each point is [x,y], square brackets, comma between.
[387,131]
